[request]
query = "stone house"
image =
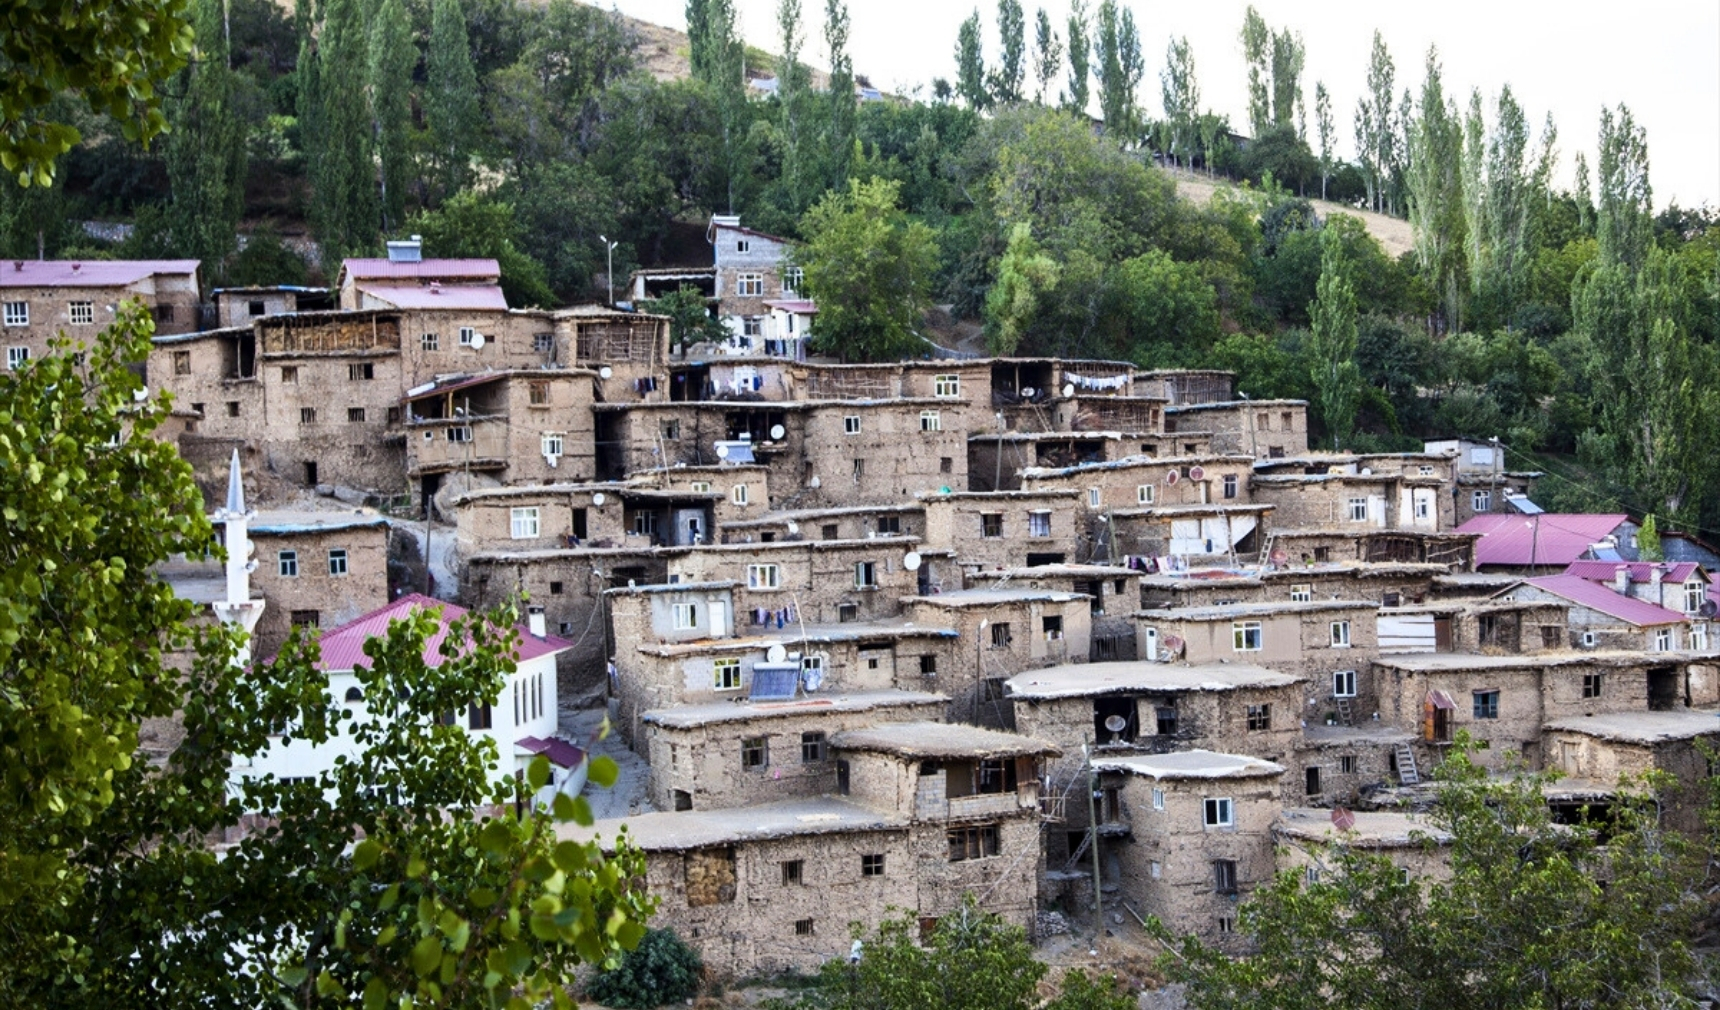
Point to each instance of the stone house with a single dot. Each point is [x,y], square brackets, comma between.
[1678,586]
[1602,748]
[1318,545]
[749,268]
[1487,626]
[996,530]
[1134,481]
[1113,596]
[236,307]
[1391,584]
[1185,386]
[1599,617]
[1328,641]
[855,522]
[515,426]
[1482,482]
[1199,835]
[821,581]
[541,517]
[1001,633]
[1306,837]
[1548,542]
[316,569]
[1341,500]
[998,458]
[375,280]
[1175,537]
[1263,429]
[1341,765]
[43,298]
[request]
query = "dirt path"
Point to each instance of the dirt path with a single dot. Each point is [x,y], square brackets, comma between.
[1393,233]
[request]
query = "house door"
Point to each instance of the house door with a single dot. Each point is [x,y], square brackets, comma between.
[719,617]
[1662,689]
[1442,634]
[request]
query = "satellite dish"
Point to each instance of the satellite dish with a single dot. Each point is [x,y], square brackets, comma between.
[598,498]
[1196,472]
[911,561]
[1068,389]
[1280,555]
[1367,471]
[1173,644]
[1171,477]
[1342,819]
[605,372]
[815,483]
[793,527]
[722,451]
[141,394]
[1116,723]
[1027,391]
[477,341]
[1709,608]
[776,653]
[777,431]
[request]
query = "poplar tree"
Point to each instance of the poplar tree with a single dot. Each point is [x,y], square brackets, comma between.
[451,97]
[1180,92]
[1507,197]
[725,61]
[345,213]
[1257,53]
[1288,58]
[698,38]
[970,64]
[1374,121]
[1080,58]
[792,82]
[1006,84]
[1117,46]
[206,150]
[1325,131]
[1436,192]
[1624,208]
[1474,202]
[1332,341]
[392,58]
[1047,54]
[839,142]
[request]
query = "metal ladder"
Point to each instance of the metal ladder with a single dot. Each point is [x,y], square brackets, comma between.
[1407,774]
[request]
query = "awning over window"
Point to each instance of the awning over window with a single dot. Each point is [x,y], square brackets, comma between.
[1439,699]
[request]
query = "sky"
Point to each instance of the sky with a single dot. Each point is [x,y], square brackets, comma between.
[1659,57]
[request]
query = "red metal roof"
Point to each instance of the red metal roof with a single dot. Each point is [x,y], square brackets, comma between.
[557,750]
[343,647]
[444,296]
[87,273]
[1547,539]
[1640,571]
[429,269]
[1599,598]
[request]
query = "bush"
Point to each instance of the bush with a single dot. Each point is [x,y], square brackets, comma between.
[662,969]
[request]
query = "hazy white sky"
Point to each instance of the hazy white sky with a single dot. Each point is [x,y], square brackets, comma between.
[1660,57]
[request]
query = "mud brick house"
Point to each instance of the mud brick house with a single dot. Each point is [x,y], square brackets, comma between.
[1602,748]
[1682,585]
[1196,835]
[1487,626]
[1001,633]
[1112,592]
[1390,584]
[1337,764]
[1599,617]
[1134,481]
[1483,483]
[1176,537]
[1340,500]
[1263,429]
[998,459]
[1356,542]
[1307,836]
[854,522]
[43,298]
[238,306]
[1311,637]
[992,530]
[375,282]
[514,426]
[823,581]
[1182,387]
[317,569]
[1547,543]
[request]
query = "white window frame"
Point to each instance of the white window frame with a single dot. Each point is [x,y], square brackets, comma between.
[81,313]
[749,285]
[460,433]
[947,387]
[1301,592]
[1699,637]
[1146,493]
[524,523]
[1218,812]
[1481,501]
[17,313]
[764,576]
[752,326]
[468,335]
[1239,636]
[1094,497]
[1423,506]
[851,424]
[738,494]
[16,358]
[287,564]
[1343,683]
[793,279]
[1039,523]
[700,487]
[684,616]
[726,675]
[742,245]
[931,420]
[1358,510]
[337,561]
[1694,595]
[1340,634]
[1663,640]
[1158,798]
[1425,471]
[865,575]
[554,444]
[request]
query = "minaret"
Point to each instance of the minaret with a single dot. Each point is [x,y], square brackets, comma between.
[238,608]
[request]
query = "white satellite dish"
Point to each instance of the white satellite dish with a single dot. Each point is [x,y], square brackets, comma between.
[1116,723]
[793,527]
[605,372]
[911,561]
[141,394]
[1068,389]
[776,654]
[777,431]
[1027,391]
[722,451]
[815,483]
[477,341]
[598,498]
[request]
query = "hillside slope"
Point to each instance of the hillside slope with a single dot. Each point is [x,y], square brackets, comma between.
[1393,233]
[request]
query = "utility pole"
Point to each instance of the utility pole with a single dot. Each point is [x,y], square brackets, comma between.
[1093,826]
[609,271]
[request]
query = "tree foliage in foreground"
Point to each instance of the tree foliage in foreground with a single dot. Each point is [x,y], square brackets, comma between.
[1534,914]
[972,960]
[374,884]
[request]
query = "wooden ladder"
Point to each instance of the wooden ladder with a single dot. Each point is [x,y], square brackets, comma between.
[1080,850]
[1346,714]
[1406,769]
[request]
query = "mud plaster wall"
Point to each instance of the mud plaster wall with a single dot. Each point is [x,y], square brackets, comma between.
[335,599]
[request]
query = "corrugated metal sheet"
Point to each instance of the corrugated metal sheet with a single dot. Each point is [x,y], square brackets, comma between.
[447,296]
[343,647]
[1406,633]
[1603,600]
[1549,539]
[87,273]
[432,269]
[559,751]
[1640,571]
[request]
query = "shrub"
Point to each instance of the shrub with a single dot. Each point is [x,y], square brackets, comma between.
[662,969]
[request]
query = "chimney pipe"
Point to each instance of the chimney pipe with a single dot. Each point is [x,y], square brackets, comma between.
[1621,580]
[535,622]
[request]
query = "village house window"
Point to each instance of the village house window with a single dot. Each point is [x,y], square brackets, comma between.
[973,843]
[1230,485]
[1699,637]
[930,421]
[1340,634]
[1165,719]
[755,752]
[232,408]
[700,487]
[803,927]
[1053,625]
[337,561]
[1591,685]
[429,342]
[738,494]
[361,371]
[355,415]
[1358,510]
[1000,637]
[289,375]
[686,616]
[1481,501]
[670,430]
[811,748]
[872,864]
[305,618]
[889,525]
[1344,684]
[1423,506]
[537,394]
[1226,925]
[1322,554]
[468,336]
[1486,704]
[163,313]
[991,525]
[553,443]
[81,313]
[543,343]
[946,386]
[793,872]
[1224,876]
[1218,813]
[523,523]
[749,285]
[1286,420]
[1663,640]
[479,716]
[1487,629]
[1311,875]
[752,326]
[1158,799]
[181,362]
[865,575]
[726,675]
[1094,497]
[1301,592]
[1311,780]
[1694,593]
[829,531]
[1038,524]
[1154,869]
[1259,717]
[17,313]
[1275,452]
[742,245]
[764,577]
[928,665]
[287,564]
[555,588]
[1144,494]
[851,424]
[563,627]
[1347,764]
[859,470]
[1246,636]
[793,278]
[1263,421]
[307,415]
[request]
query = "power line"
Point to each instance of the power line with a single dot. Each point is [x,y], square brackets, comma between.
[1628,507]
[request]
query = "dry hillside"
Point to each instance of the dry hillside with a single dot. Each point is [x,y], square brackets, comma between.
[1393,233]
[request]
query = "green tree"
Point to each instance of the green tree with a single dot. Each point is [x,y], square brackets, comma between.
[1171,310]
[794,82]
[1180,90]
[1047,55]
[206,151]
[1007,80]
[114,897]
[450,97]
[690,319]
[1375,126]
[1119,67]
[1326,134]
[840,131]
[1435,183]
[391,61]
[1257,54]
[265,260]
[1080,49]
[1332,343]
[1024,276]
[970,64]
[870,268]
[699,37]
[1648,541]
[1289,56]
[1624,207]
[472,225]
[344,210]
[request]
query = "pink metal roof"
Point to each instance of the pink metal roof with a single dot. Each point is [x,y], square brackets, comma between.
[1547,539]
[343,647]
[802,306]
[87,273]
[444,296]
[429,269]
[1597,597]
[1640,571]
[556,749]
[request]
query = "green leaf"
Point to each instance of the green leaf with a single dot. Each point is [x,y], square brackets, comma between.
[365,854]
[427,955]
[604,771]
[537,772]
